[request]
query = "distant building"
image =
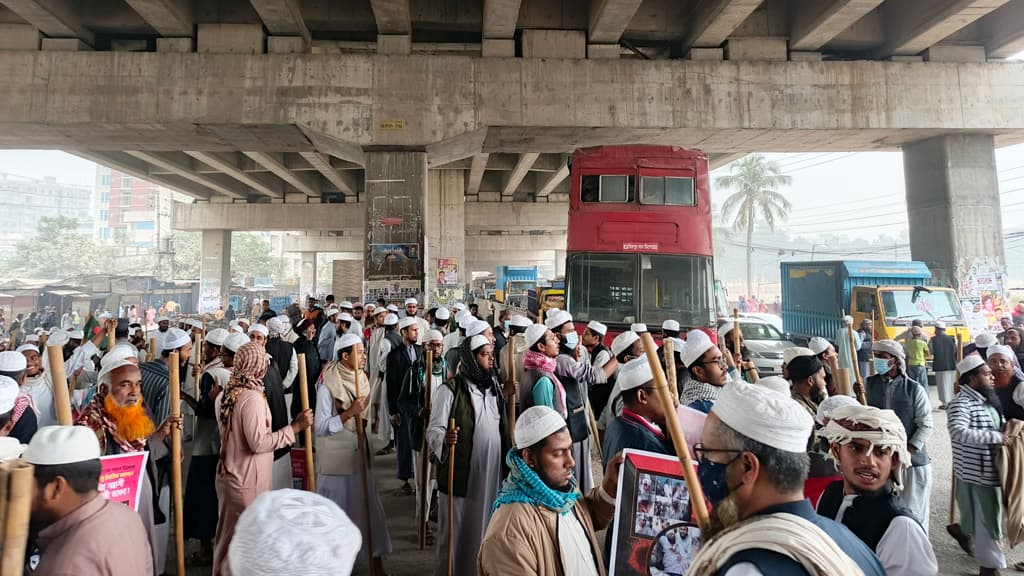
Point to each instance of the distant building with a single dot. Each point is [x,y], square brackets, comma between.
[23,201]
[138,209]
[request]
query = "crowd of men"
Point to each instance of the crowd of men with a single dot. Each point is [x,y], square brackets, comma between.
[493,428]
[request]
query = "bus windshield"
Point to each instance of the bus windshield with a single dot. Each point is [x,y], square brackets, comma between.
[651,288]
[929,307]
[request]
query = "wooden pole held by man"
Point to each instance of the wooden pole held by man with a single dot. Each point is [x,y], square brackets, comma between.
[669,352]
[174,383]
[308,442]
[751,370]
[59,378]
[675,430]
[424,481]
[18,481]
[364,463]
[512,384]
[451,495]
[855,369]
[151,350]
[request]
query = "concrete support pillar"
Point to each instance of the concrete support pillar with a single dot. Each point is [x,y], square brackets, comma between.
[953,207]
[214,270]
[307,275]
[396,193]
[560,263]
[446,236]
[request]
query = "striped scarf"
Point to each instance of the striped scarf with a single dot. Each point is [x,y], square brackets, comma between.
[249,368]
[696,391]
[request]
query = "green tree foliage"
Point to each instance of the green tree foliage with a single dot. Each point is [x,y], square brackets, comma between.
[56,251]
[251,255]
[757,199]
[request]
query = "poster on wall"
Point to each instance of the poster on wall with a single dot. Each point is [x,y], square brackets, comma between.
[392,291]
[447,272]
[653,534]
[394,260]
[983,296]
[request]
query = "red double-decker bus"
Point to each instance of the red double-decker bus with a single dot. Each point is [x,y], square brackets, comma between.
[639,240]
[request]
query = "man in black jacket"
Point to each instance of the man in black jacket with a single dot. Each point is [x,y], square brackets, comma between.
[400,361]
[943,349]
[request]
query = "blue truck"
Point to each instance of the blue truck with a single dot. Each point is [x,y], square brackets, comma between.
[891,294]
[512,284]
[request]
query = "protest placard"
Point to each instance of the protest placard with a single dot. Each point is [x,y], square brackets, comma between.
[121,477]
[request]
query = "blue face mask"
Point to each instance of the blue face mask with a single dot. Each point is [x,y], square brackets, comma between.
[881,366]
[506,324]
[572,340]
[712,480]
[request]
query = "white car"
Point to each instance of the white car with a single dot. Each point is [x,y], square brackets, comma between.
[772,319]
[766,344]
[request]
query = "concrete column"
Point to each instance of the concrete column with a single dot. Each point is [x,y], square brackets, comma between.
[307,275]
[953,207]
[446,235]
[396,194]
[560,263]
[214,269]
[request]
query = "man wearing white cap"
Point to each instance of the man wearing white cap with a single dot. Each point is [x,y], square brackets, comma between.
[354,325]
[163,324]
[975,431]
[401,362]
[285,361]
[412,307]
[847,355]
[480,438]
[1003,362]
[982,342]
[517,339]
[37,384]
[442,317]
[80,531]
[870,447]
[339,467]
[200,492]
[942,347]
[328,334]
[452,340]
[790,353]
[283,529]
[390,339]
[593,342]
[707,369]
[891,389]
[25,417]
[752,465]
[8,395]
[156,374]
[606,399]
[541,523]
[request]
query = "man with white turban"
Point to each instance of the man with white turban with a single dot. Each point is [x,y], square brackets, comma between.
[1007,375]
[870,447]
[891,389]
[752,465]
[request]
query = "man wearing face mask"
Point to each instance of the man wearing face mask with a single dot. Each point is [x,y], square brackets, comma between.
[752,465]
[891,389]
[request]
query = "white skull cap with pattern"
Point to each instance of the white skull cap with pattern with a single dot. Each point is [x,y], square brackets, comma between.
[391,319]
[597,328]
[284,529]
[670,325]
[235,341]
[634,374]
[818,345]
[476,328]
[217,336]
[789,353]
[556,318]
[537,423]
[406,322]
[534,333]
[260,329]
[433,336]
[985,340]
[347,340]
[761,414]
[442,313]
[11,361]
[969,363]
[54,445]
[478,341]
[775,384]
[697,344]
[623,341]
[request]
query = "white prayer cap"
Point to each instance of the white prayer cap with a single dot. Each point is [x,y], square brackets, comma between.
[761,414]
[195,323]
[118,353]
[442,313]
[332,312]
[634,374]
[76,334]
[831,403]
[275,326]
[537,423]
[162,319]
[346,317]
[406,322]
[245,320]
[259,329]
[235,341]
[985,340]
[597,328]
[458,306]
[370,306]
[132,330]
[1001,349]
[534,333]
[789,353]
[381,310]
[519,321]
[433,336]
[236,329]
[775,384]
[940,325]
[466,320]
[106,316]
[38,331]
[889,347]
[217,336]
[10,448]
[11,361]
[27,348]
[391,319]
[392,308]
[725,328]
[697,344]
[818,345]
[284,529]
[59,338]
[670,325]
[556,318]
[32,338]
[638,328]
[176,338]
[53,445]
[478,341]
[623,341]
[8,393]
[972,362]
[411,302]
[848,320]
[346,305]
[347,340]
[477,327]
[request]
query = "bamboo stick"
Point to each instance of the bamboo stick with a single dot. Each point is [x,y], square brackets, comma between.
[669,352]
[956,390]
[512,382]
[59,379]
[451,494]
[304,399]
[751,372]
[151,350]
[676,432]
[856,365]
[365,465]
[424,463]
[19,481]
[174,383]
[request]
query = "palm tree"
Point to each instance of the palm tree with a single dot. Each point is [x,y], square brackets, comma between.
[756,181]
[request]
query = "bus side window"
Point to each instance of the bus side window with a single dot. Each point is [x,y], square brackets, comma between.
[590,189]
[610,189]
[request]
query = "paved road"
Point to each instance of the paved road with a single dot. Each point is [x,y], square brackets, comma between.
[407,560]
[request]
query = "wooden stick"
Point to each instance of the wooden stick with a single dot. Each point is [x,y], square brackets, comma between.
[19,480]
[751,372]
[59,379]
[956,390]
[151,350]
[515,397]
[304,399]
[174,383]
[424,463]
[856,365]
[676,432]
[451,494]
[43,339]
[669,352]
[364,463]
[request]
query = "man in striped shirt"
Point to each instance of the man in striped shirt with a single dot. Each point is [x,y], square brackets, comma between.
[975,428]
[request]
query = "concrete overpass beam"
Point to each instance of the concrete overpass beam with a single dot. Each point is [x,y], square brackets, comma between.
[305,182]
[476,174]
[214,269]
[913,26]
[953,205]
[170,18]
[230,38]
[282,17]
[554,179]
[342,180]
[350,218]
[609,19]
[712,21]
[229,166]
[19,37]
[445,225]
[139,169]
[515,177]
[54,18]
[499,28]
[392,16]
[1004,29]
[168,161]
[351,243]
[816,22]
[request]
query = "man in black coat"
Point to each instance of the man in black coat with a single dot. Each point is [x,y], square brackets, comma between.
[401,360]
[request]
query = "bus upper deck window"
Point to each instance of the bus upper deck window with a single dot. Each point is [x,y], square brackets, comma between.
[607,189]
[667,190]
